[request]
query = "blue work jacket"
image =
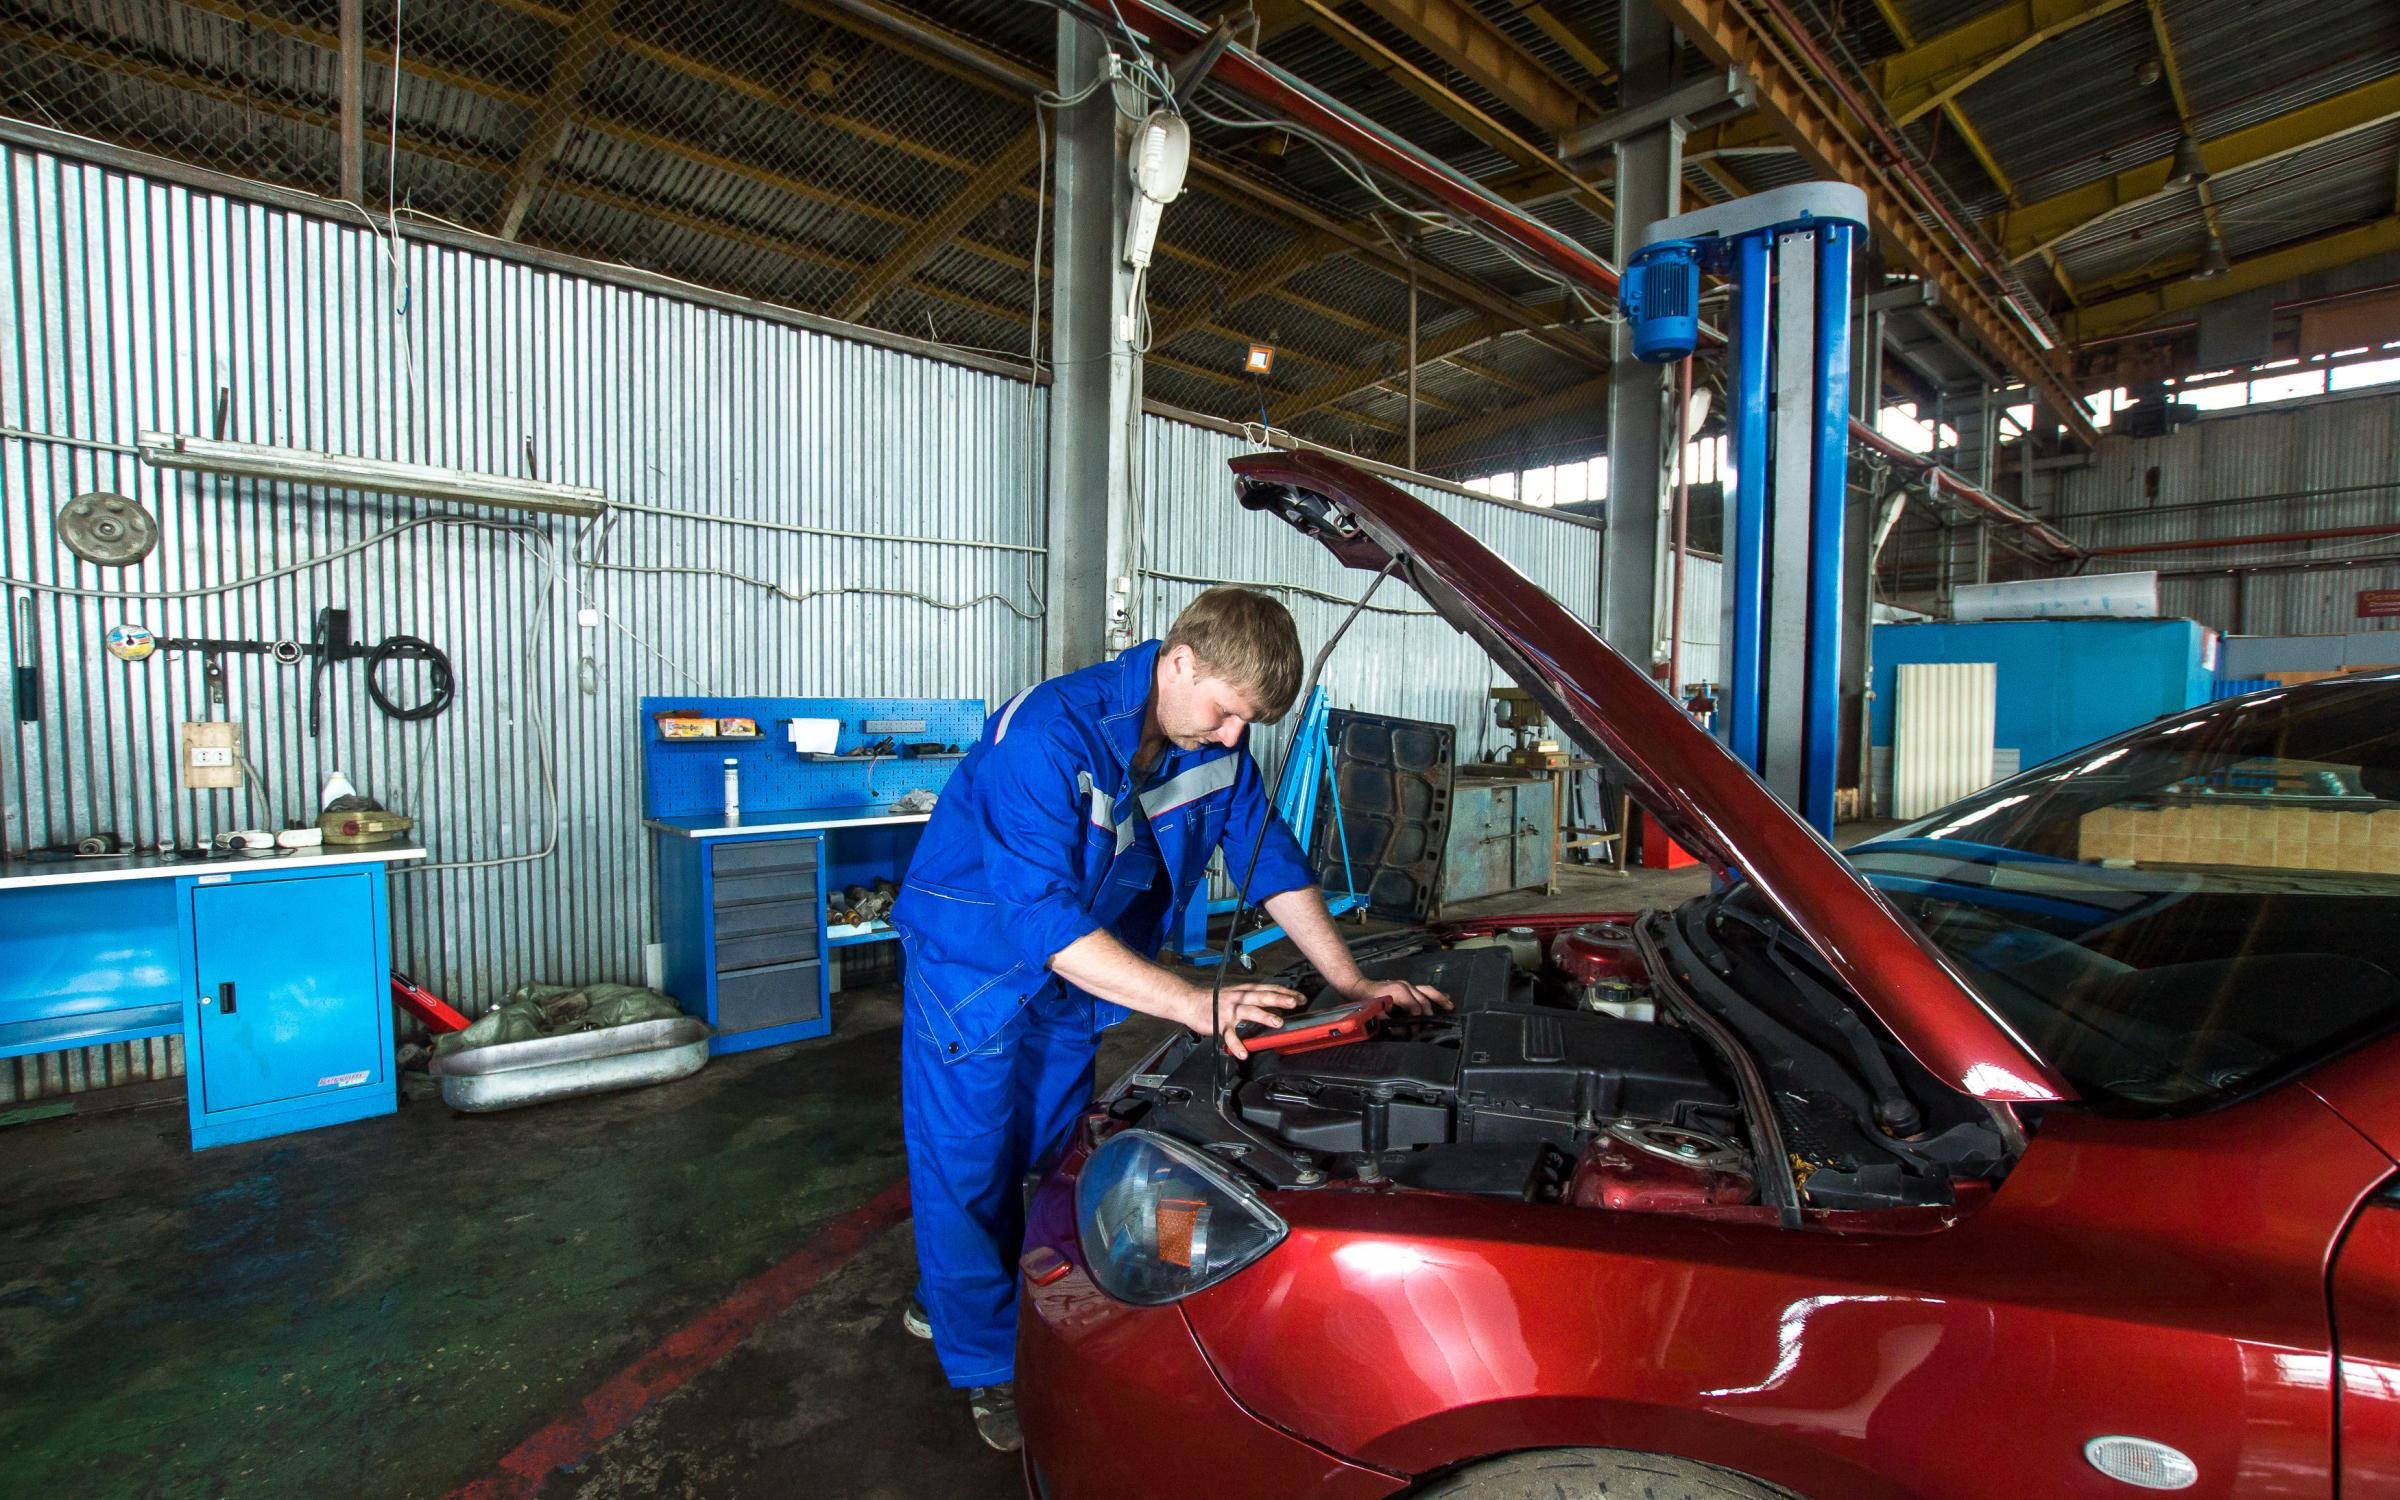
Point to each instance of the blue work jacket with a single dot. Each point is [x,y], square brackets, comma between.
[1042,835]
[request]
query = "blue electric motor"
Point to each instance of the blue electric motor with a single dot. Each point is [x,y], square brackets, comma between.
[1660,295]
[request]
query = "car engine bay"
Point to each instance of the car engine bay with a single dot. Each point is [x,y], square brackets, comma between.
[1563,1074]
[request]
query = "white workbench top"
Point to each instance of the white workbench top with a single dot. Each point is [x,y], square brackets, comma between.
[778,820]
[21,874]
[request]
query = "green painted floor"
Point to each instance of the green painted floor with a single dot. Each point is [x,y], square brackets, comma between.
[388,1308]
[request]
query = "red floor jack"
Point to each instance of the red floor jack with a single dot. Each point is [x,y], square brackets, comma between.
[425,1005]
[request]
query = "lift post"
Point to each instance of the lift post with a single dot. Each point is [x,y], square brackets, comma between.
[1786,256]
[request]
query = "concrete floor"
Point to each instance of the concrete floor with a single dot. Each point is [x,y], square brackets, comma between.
[685,1291]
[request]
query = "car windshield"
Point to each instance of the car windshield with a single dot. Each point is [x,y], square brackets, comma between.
[2185,914]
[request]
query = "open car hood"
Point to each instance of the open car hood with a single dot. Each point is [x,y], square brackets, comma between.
[1704,797]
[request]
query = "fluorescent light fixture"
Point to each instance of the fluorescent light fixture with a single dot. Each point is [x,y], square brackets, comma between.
[342,471]
[1161,152]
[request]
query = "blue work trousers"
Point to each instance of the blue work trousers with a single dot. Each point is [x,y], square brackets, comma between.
[975,1125]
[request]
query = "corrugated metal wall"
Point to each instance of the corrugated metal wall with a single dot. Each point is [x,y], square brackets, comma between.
[2348,446]
[132,304]
[1941,734]
[1399,658]
[135,304]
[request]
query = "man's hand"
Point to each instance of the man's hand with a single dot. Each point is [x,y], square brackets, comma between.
[1261,1004]
[1413,999]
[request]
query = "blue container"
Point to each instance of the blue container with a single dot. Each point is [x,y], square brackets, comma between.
[2062,683]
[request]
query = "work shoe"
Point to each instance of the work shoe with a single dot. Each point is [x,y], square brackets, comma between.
[995,1408]
[912,1318]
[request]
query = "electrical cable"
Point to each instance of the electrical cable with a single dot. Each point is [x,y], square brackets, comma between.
[1288,588]
[444,686]
[802,596]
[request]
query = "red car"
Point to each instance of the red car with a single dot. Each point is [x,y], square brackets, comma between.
[2043,1147]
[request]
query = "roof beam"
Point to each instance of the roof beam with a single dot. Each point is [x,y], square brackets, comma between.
[587,38]
[2039,226]
[1483,52]
[1303,254]
[996,71]
[1924,76]
[2323,253]
[1433,91]
[1832,141]
[1442,442]
[1570,41]
[1343,384]
[921,244]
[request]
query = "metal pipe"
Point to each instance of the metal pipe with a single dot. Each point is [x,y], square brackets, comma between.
[353,55]
[2258,539]
[1412,363]
[1271,87]
[1972,496]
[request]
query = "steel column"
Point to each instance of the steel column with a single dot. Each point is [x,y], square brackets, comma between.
[1789,567]
[1649,178]
[1096,377]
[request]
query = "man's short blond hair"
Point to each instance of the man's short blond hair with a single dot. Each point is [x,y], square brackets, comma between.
[1248,640]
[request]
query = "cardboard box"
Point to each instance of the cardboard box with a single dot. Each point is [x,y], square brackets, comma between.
[2244,835]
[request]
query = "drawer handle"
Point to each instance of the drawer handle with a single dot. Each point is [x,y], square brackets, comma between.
[225,998]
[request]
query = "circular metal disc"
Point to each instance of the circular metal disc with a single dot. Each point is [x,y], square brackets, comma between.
[111,530]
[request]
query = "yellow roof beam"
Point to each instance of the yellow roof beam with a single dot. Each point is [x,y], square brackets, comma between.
[1924,76]
[1486,54]
[2324,253]
[2038,226]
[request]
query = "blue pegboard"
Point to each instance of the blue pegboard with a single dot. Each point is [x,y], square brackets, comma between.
[682,778]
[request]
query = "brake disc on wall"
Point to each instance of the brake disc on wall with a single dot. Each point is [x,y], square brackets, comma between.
[109,529]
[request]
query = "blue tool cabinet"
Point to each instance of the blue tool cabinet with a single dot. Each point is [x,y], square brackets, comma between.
[744,932]
[744,899]
[276,972]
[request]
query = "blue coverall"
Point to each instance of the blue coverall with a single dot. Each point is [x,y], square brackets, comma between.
[1041,836]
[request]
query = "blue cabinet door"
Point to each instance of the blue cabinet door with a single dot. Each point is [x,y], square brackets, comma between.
[296,959]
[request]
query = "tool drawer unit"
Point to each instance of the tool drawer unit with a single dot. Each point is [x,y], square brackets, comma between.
[275,971]
[745,936]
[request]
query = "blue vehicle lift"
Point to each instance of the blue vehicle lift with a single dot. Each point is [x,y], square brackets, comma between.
[1786,254]
[1296,804]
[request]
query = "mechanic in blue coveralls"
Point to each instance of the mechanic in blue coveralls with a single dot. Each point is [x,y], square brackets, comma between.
[1030,914]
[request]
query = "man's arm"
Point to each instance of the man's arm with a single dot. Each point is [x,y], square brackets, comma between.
[1302,916]
[1098,964]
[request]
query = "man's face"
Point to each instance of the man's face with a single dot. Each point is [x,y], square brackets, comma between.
[1195,709]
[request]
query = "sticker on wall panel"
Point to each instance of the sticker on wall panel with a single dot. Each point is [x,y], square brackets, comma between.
[130,642]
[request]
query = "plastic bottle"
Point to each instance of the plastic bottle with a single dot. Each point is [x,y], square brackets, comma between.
[733,787]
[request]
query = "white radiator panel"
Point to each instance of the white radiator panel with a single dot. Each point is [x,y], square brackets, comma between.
[1942,734]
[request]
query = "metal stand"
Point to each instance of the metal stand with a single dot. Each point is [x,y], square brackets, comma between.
[1787,255]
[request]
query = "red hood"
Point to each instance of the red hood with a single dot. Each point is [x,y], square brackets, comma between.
[1708,800]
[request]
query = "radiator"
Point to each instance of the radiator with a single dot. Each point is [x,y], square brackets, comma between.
[1942,733]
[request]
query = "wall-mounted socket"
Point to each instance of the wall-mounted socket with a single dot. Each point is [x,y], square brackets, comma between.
[212,755]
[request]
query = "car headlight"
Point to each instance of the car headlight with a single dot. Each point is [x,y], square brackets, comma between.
[1159,1221]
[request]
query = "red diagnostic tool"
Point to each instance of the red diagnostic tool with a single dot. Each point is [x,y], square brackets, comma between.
[1318,1028]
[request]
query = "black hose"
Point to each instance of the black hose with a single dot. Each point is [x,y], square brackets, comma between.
[411,648]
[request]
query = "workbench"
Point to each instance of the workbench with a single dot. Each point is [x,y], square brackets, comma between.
[275,969]
[744,899]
